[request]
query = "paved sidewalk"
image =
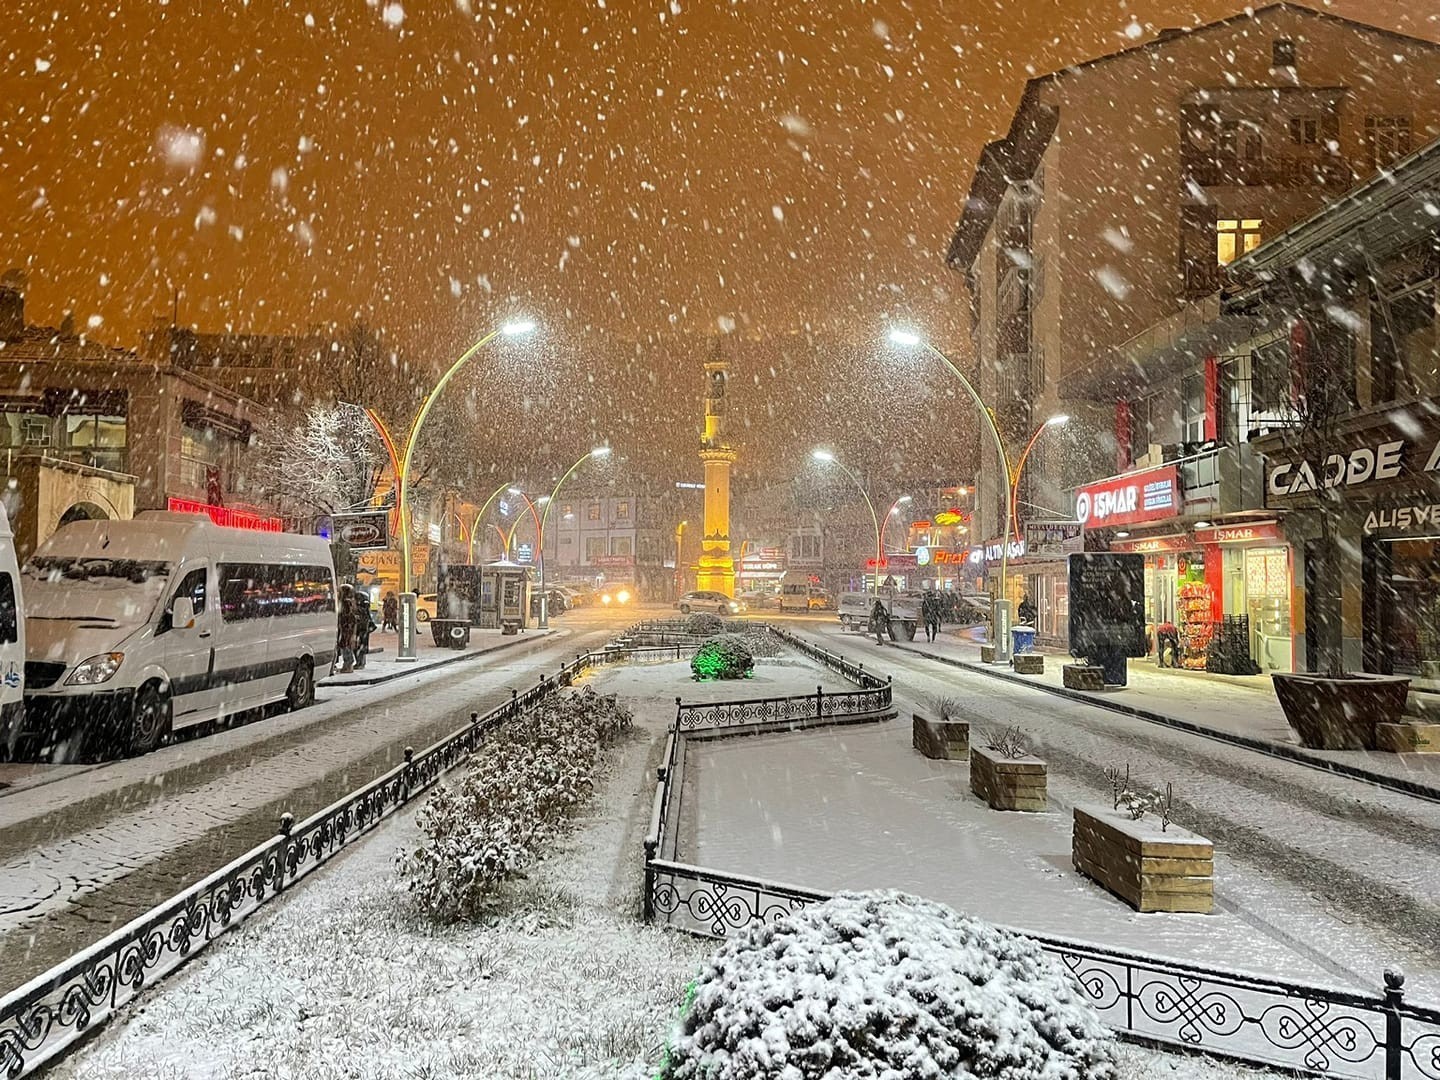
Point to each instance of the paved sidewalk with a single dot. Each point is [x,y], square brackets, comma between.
[381,667]
[1237,708]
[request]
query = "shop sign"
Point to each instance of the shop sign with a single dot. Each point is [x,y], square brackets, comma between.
[224,515]
[1053,537]
[1363,465]
[363,532]
[1149,545]
[920,525]
[1404,518]
[612,562]
[1152,495]
[524,553]
[990,552]
[952,516]
[1238,534]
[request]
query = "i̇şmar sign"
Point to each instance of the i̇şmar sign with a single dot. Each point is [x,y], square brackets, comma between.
[1107,604]
[364,532]
[1149,495]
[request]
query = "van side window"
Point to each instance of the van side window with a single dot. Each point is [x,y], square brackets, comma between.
[9,618]
[193,586]
[263,591]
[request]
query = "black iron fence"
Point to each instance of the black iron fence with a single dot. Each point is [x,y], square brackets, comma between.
[44,1018]
[1261,1021]
[846,669]
[819,707]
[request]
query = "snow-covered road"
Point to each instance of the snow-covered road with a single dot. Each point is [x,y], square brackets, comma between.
[1339,873]
[86,853]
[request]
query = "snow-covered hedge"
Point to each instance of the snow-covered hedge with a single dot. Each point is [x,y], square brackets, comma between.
[883,986]
[724,656]
[529,778]
[704,624]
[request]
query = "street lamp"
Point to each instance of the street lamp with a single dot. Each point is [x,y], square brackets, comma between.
[402,480]
[1054,421]
[825,457]
[894,509]
[549,500]
[999,605]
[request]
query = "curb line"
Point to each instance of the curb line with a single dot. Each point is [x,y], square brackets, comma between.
[458,658]
[1263,746]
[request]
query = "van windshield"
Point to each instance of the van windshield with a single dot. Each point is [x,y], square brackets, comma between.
[87,587]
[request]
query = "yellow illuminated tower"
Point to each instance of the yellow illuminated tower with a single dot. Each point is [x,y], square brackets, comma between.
[716,569]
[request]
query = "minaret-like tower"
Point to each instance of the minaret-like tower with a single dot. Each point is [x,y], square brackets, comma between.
[716,569]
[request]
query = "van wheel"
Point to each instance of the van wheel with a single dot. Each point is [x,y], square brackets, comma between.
[302,687]
[684,609]
[149,722]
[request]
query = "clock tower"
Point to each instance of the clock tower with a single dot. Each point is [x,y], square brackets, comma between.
[716,569]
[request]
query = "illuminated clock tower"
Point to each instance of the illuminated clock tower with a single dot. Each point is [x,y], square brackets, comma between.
[716,569]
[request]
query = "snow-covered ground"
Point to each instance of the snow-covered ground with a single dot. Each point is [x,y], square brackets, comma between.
[338,981]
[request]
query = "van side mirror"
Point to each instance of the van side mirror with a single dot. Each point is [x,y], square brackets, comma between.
[182,613]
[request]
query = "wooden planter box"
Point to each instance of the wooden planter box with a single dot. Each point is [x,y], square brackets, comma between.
[1083,677]
[1150,870]
[1008,783]
[1408,738]
[942,740]
[987,654]
[1339,714]
[1029,664]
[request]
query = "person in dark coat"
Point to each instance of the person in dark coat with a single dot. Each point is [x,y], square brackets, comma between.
[390,613]
[930,611]
[347,636]
[1027,611]
[365,626]
[879,621]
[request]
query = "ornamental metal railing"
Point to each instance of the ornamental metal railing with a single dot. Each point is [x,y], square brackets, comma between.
[846,669]
[817,708]
[44,1018]
[1289,1025]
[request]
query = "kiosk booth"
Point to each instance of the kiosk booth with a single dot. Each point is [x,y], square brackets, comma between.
[489,597]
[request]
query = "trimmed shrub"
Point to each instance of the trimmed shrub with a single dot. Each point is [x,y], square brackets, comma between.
[704,624]
[533,773]
[757,639]
[880,985]
[723,657]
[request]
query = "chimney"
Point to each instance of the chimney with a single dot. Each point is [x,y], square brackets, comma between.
[12,304]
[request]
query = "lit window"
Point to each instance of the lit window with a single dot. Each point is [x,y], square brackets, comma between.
[1234,237]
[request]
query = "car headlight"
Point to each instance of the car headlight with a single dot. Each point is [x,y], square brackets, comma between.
[734,606]
[95,670]
[605,599]
[623,596]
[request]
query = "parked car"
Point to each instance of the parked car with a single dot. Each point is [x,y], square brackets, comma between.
[757,600]
[821,600]
[707,600]
[12,642]
[614,595]
[425,607]
[559,604]
[139,627]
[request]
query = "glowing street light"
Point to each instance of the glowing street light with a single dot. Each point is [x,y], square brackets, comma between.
[598,453]
[999,605]
[827,458]
[1058,420]
[406,650]
[894,509]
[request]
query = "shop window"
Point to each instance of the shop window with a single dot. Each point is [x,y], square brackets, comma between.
[594,547]
[1387,138]
[1234,237]
[620,545]
[1406,575]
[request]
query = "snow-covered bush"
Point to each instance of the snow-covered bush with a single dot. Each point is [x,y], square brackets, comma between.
[530,777]
[757,639]
[725,656]
[881,985]
[704,624]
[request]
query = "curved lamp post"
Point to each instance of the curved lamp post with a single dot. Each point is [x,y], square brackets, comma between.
[999,606]
[827,458]
[894,509]
[1054,421]
[597,453]
[475,528]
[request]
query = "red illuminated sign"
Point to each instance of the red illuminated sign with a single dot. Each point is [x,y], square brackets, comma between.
[1150,495]
[223,515]
[1239,534]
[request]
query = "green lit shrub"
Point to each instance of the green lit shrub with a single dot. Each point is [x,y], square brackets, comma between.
[723,657]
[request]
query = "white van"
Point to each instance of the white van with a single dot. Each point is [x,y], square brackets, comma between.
[12,642]
[794,596]
[139,627]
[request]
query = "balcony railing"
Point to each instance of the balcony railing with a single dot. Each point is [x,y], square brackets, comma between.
[1326,172]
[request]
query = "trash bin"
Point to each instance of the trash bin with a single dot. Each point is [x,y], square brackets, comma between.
[450,633]
[1022,640]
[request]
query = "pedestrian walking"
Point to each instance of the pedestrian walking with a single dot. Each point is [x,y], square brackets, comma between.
[365,626]
[390,613]
[348,631]
[879,621]
[930,611]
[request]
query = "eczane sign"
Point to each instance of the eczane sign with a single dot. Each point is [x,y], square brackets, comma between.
[1150,495]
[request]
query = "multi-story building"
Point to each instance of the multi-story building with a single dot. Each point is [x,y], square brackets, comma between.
[1093,240]
[90,431]
[618,537]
